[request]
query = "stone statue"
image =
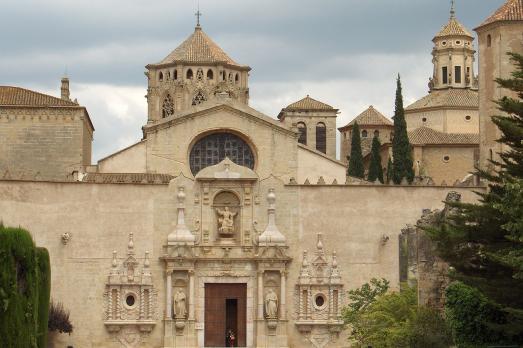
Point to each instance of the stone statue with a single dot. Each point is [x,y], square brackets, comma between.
[180,307]
[271,304]
[226,221]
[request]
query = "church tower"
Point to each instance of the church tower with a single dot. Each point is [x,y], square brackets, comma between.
[451,105]
[195,72]
[453,56]
[498,34]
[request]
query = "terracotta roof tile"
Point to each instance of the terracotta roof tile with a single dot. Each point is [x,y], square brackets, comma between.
[370,117]
[308,103]
[429,136]
[512,10]
[128,178]
[16,96]
[453,28]
[452,97]
[199,48]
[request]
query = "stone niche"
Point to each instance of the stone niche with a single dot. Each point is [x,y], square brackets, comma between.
[319,298]
[130,299]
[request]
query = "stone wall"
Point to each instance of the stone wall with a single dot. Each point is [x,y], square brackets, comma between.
[44,143]
[361,223]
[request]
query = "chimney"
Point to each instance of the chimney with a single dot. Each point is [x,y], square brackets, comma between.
[65,88]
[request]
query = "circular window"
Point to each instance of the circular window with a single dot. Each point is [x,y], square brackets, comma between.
[446,158]
[320,301]
[130,300]
[444,43]
[213,149]
[468,118]
[458,42]
[424,119]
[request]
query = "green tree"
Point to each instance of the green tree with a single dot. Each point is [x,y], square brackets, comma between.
[375,168]
[483,242]
[391,320]
[24,290]
[475,321]
[401,149]
[389,170]
[356,168]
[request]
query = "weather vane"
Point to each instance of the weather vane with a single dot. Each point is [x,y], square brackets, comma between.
[198,14]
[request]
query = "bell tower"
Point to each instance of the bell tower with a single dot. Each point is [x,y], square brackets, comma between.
[196,72]
[453,56]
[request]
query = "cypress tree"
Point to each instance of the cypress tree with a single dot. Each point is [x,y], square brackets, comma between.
[401,149]
[483,242]
[375,169]
[356,168]
[389,170]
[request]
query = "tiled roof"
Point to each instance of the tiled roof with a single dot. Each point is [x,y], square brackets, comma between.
[308,103]
[452,97]
[453,28]
[512,10]
[16,96]
[128,178]
[199,48]
[429,136]
[370,117]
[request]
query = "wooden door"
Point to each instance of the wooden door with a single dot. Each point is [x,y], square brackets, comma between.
[216,311]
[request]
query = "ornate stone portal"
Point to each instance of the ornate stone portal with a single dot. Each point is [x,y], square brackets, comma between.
[319,298]
[222,248]
[130,299]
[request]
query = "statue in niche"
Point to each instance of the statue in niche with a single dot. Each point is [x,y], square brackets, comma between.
[180,306]
[271,304]
[226,221]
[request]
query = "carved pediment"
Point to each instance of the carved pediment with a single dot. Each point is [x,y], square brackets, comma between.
[227,170]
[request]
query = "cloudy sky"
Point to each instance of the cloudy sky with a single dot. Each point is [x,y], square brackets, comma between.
[343,52]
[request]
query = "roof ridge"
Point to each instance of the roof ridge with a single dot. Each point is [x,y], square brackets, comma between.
[453,27]
[7,98]
[511,10]
[199,48]
[371,117]
[308,103]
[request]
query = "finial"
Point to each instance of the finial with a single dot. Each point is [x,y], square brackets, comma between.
[198,14]
[452,10]
[130,245]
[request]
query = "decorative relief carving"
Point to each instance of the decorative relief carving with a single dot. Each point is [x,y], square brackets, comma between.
[130,298]
[318,297]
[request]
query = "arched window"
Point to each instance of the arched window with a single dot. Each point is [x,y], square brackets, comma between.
[189,74]
[377,133]
[160,76]
[321,137]
[489,40]
[168,106]
[213,149]
[302,129]
[199,98]
[364,134]
[210,74]
[237,78]
[175,74]
[223,75]
[168,75]
[199,74]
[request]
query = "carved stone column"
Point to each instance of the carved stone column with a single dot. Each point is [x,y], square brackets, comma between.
[283,308]
[260,295]
[191,295]
[168,294]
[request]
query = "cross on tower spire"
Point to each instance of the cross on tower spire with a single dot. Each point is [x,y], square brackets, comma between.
[452,10]
[198,14]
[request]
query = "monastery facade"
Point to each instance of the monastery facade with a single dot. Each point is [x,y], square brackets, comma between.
[222,222]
